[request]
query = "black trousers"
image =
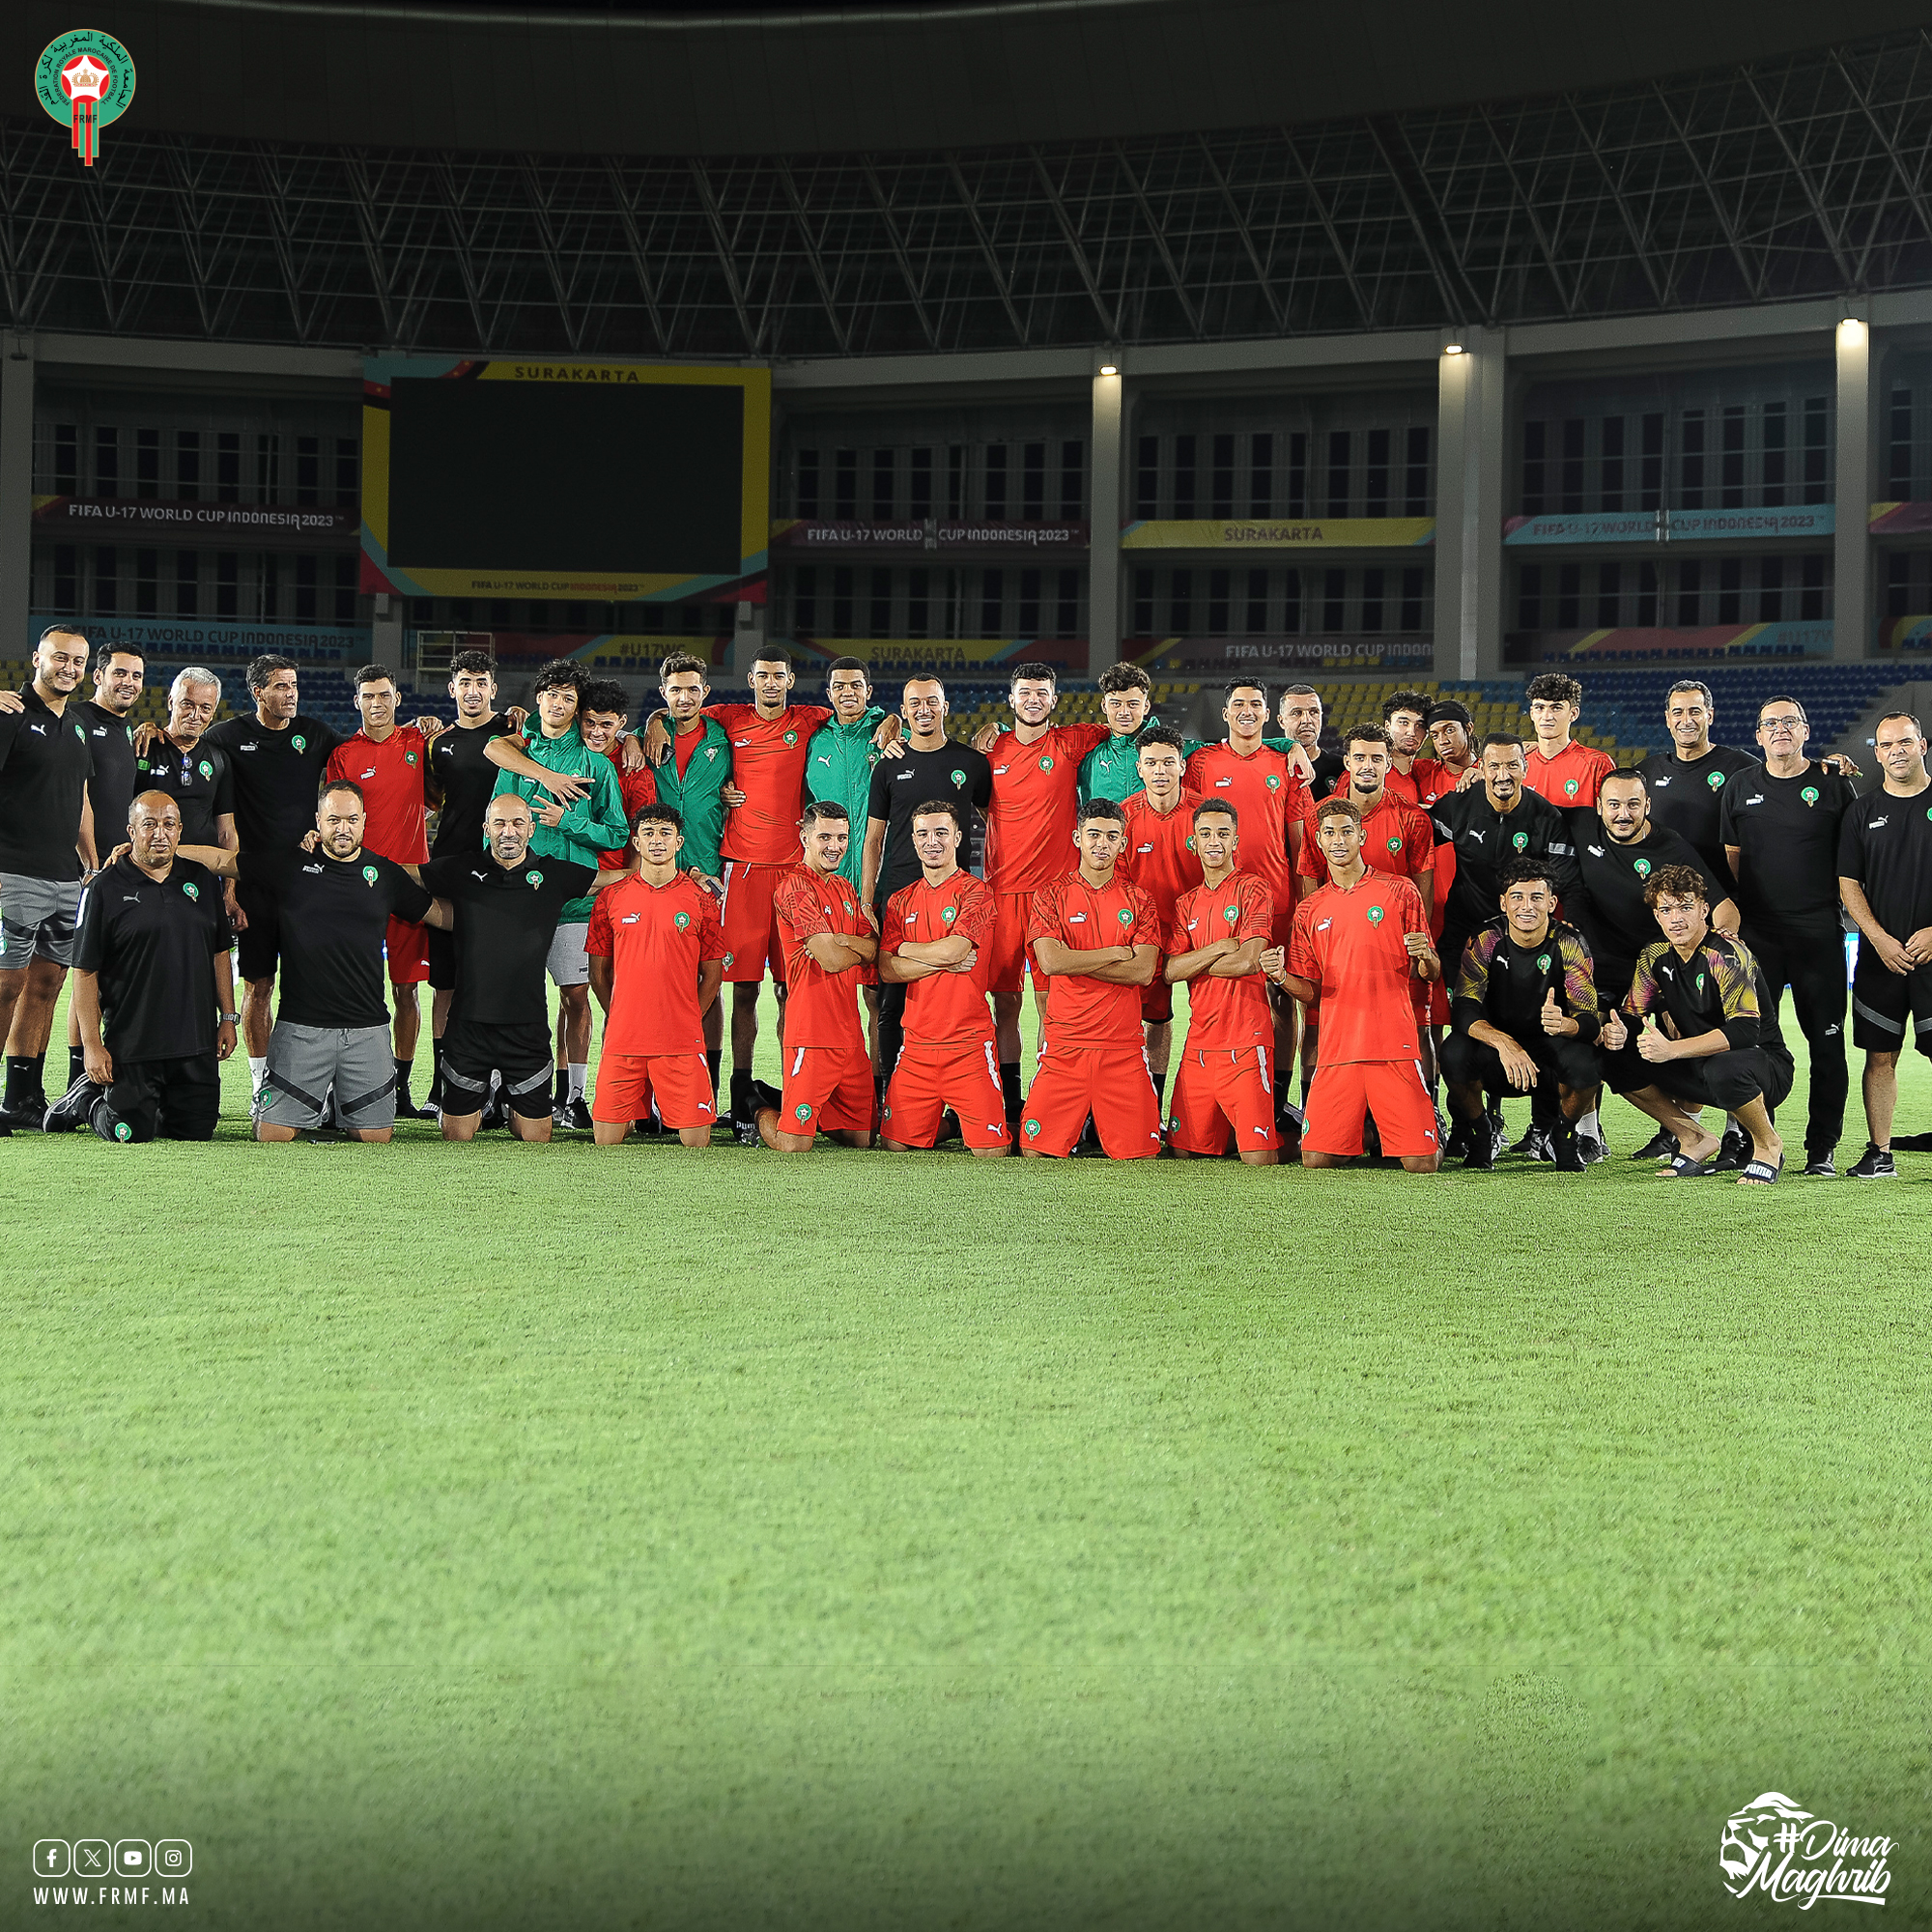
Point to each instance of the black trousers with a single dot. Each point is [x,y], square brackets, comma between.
[1560,1060]
[175,1099]
[1726,1080]
[1811,959]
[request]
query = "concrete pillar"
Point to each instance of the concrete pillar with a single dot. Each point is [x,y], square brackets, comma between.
[386,635]
[16,495]
[1850,544]
[1103,555]
[1472,372]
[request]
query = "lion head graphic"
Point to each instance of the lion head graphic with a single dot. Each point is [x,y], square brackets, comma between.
[1748,1835]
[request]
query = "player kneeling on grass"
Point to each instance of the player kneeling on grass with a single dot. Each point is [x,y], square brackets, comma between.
[1221,929]
[153,990]
[1358,945]
[1709,1034]
[1524,1013]
[657,959]
[505,903]
[931,945]
[1098,941]
[830,937]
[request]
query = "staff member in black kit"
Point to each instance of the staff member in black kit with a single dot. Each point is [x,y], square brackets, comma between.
[279,757]
[46,839]
[332,907]
[1687,782]
[179,760]
[153,990]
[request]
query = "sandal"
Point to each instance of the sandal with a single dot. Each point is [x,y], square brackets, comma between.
[1760,1172]
[1681,1167]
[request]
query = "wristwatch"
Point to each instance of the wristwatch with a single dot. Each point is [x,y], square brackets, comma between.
[229,1019]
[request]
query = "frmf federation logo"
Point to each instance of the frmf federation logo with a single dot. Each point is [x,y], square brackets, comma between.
[1795,1857]
[85,78]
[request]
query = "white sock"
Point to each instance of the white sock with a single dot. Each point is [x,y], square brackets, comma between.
[580,1073]
[1586,1123]
[258,1071]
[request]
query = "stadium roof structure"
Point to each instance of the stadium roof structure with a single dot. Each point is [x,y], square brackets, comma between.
[1785,176]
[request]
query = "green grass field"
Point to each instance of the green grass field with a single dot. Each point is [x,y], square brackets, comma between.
[588,1538]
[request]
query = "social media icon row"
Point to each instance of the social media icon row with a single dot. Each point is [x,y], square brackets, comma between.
[124,1857]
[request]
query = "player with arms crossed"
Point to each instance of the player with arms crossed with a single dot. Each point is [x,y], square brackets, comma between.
[657,959]
[1358,944]
[934,930]
[1218,933]
[830,938]
[1160,859]
[1098,938]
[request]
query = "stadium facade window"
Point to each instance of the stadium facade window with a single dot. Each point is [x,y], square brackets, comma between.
[1415,588]
[804,600]
[1775,430]
[66,577]
[308,470]
[577,616]
[1817,451]
[539,616]
[228,465]
[1144,604]
[67,459]
[1646,595]
[1291,602]
[993,481]
[1029,611]
[1691,459]
[1180,603]
[1689,597]
[1730,588]
[841,600]
[1032,483]
[1340,445]
[1610,595]
[992,602]
[348,471]
[845,485]
[1297,474]
[1372,601]
[1258,604]
[1221,478]
[918,484]
[305,591]
[1415,490]
[1898,585]
[1217,601]
[1898,457]
[1376,475]
[1573,438]
[1072,483]
[879,616]
[107,460]
[147,583]
[1731,459]
[1183,478]
[804,491]
[1261,474]
[1569,596]
[1334,600]
[1811,594]
[885,482]
[500,613]
[1066,605]
[1147,477]
[1771,589]
[1535,435]
[106,581]
[228,589]
[147,463]
[346,589]
[188,465]
[268,586]
[955,481]
[919,602]
[1612,441]
[268,467]
[1529,598]
[653,615]
[1650,490]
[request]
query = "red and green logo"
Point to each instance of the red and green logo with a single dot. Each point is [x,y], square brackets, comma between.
[85,78]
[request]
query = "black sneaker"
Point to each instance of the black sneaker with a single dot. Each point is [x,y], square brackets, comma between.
[1734,1150]
[70,1113]
[574,1117]
[1535,1144]
[1479,1148]
[1565,1151]
[746,1131]
[1875,1164]
[1821,1167]
[1592,1148]
[1660,1145]
[26,1116]
[1455,1143]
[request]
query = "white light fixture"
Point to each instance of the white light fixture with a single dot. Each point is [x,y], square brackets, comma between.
[1110,368]
[1453,346]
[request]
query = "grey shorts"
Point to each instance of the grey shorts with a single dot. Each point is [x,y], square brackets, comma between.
[568,962]
[37,918]
[305,1061]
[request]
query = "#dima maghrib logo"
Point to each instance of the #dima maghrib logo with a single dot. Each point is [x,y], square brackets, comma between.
[1795,1857]
[85,78]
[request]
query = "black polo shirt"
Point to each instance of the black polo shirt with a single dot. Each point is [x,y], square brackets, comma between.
[467,780]
[1486,840]
[277,777]
[153,946]
[1687,797]
[1608,905]
[1787,832]
[200,781]
[45,763]
[332,916]
[902,786]
[1886,845]
[506,920]
[111,790]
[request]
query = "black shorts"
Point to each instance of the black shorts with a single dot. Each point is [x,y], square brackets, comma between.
[258,946]
[474,1049]
[442,959]
[1727,1080]
[1882,1001]
[173,1100]
[1573,1062]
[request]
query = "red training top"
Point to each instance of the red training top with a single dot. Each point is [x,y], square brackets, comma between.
[1082,1011]
[1349,943]
[768,766]
[1226,1015]
[1159,855]
[944,1008]
[1267,795]
[656,939]
[1035,810]
[821,1008]
[1571,777]
[391,777]
[1396,838]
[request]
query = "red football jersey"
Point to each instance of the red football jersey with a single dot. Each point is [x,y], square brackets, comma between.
[1396,838]
[1035,813]
[655,937]
[1226,1015]
[1423,784]
[1267,795]
[1083,1012]
[944,1008]
[1571,777]
[640,789]
[1350,945]
[1159,857]
[391,777]
[821,1008]
[768,757]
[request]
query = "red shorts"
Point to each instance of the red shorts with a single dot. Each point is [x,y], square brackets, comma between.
[1012,950]
[1341,1096]
[1112,1083]
[930,1079]
[408,948]
[679,1082]
[751,922]
[827,1090]
[1216,1092]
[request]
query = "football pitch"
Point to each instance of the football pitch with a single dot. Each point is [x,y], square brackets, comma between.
[504,1536]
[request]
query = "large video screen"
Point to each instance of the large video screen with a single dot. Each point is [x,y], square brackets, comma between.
[506,478]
